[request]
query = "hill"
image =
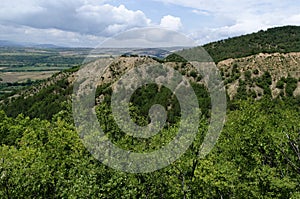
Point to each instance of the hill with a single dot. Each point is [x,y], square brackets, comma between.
[275,75]
[5,43]
[280,39]
[48,98]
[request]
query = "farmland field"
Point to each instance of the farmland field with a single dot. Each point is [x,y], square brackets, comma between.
[20,65]
[23,76]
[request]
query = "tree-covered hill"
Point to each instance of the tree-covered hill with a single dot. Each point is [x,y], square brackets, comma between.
[256,156]
[263,75]
[280,39]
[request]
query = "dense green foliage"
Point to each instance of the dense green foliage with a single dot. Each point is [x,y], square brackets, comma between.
[253,158]
[165,97]
[281,39]
[44,104]
[291,85]
[174,58]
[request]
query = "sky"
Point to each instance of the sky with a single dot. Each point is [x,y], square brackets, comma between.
[87,23]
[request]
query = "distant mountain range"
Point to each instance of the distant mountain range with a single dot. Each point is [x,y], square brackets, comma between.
[6,43]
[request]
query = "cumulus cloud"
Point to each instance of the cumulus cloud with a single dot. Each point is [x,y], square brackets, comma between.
[171,22]
[80,16]
[92,20]
[109,20]
[232,18]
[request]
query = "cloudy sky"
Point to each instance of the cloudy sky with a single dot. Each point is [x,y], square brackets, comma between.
[88,22]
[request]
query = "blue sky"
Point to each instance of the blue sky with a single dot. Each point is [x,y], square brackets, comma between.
[88,22]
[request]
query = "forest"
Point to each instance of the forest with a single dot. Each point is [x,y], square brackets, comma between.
[279,39]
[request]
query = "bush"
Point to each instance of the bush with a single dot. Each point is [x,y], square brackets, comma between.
[193,74]
[256,72]
[280,84]
[291,85]
[248,75]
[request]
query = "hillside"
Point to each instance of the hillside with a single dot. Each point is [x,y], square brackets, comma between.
[275,74]
[257,154]
[280,39]
[48,98]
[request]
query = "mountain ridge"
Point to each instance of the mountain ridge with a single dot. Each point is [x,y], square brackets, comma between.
[8,43]
[248,76]
[283,39]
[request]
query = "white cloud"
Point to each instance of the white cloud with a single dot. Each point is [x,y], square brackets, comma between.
[201,12]
[171,22]
[75,20]
[293,20]
[226,6]
[48,36]
[109,19]
[231,18]
[82,16]
[149,38]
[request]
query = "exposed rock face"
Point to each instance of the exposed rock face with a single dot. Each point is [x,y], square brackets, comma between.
[278,65]
[234,71]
